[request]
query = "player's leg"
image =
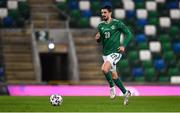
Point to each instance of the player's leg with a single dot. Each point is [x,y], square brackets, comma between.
[118,82]
[105,69]
[108,75]
[120,85]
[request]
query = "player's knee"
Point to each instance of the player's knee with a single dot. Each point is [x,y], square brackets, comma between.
[114,76]
[105,70]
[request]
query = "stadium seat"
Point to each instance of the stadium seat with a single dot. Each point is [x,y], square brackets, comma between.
[159,64]
[156,55]
[164,38]
[168,55]
[123,64]
[174,14]
[130,14]
[178,64]
[84,5]
[61,5]
[138,74]
[140,38]
[133,55]
[131,45]
[141,22]
[75,14]
[153,21]
[151,5]
[143,46]
[24,9]
[165,79]
[176,47]
[3,12]
[145,55]
[165,22]
[73,4]
[150,74]
[83,22]
[20,22]
[14,14]
[173,71]
[125,74]
[172,5]
[152,14]
[86,13]
[172,63]
[95,6]
[117,3]
[147,63]
[173,31]
[128,5]
[94,21]
[8,21]
[160,1]
[155,46]
[1,71]
[166,46]
[140,5]
[119,13]
[12,4]
[141,14]
[150,30]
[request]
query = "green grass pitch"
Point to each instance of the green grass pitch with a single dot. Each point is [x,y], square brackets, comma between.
[90,104]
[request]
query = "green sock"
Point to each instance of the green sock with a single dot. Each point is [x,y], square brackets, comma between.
[109,79]
[119,85]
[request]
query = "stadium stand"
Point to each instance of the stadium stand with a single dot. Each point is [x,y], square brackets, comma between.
[155,24]
[14,13]
[16,41]
[1,63]
[152,56]
[17,54]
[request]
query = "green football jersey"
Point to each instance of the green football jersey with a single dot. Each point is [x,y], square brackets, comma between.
[110,35]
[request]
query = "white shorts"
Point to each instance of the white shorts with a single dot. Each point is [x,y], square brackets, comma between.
[113,58]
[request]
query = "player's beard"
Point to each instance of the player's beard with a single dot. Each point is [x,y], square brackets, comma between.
[105,18]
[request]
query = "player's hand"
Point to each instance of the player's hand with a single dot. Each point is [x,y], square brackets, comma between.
[97,37]
[121,49]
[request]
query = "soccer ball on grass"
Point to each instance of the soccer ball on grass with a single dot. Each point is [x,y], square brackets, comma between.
[56,99]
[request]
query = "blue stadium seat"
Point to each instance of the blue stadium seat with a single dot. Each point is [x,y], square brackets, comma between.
[140,38]
[1,71]
[159,64]
[141,22]
[86,13]
[172,5]
[130,14]
[176,47]
[106,2]
[73,4]
[137,72]
[8,21]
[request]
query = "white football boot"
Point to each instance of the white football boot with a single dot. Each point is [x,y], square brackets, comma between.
[126,97]
[112,92]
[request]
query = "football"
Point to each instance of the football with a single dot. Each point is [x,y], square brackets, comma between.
[56,99]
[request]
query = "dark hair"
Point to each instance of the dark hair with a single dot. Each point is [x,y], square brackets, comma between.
[108,7]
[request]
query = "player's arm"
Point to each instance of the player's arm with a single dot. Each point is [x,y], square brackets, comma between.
[127,34]
[97,37]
